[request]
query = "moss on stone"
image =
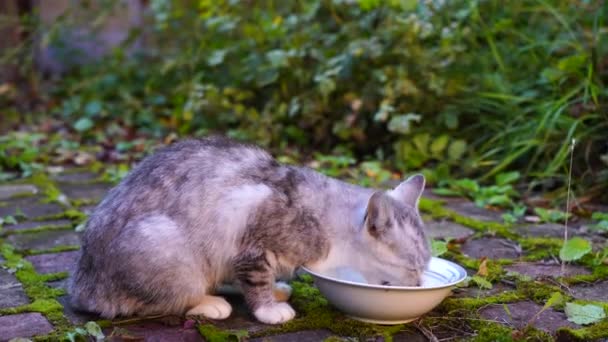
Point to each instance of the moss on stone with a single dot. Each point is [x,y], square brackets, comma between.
[437,211]
[70,214]
[591,333]
[214,334]
[56,249]
[39,229]
[539,248]
[34,285]
[46,186]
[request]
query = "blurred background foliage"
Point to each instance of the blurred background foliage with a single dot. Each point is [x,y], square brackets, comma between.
[456,88]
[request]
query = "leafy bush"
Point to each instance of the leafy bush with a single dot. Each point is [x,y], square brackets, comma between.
[454,87]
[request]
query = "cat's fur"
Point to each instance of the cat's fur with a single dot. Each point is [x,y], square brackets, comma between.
[202,212]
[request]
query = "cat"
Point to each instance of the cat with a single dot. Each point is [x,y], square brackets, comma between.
[202,212]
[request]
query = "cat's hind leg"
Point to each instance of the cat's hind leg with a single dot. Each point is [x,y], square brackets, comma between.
[213,307]
[256,278]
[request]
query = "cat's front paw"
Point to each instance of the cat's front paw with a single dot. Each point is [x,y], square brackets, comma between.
[213,307]
[274,313]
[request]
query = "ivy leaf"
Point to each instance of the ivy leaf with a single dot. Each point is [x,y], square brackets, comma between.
[83,124]
[584,314]
[438,145]
[438,247]
[402,123]
[574,249]
[457,149]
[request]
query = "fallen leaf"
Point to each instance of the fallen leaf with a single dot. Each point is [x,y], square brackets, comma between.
[483,267]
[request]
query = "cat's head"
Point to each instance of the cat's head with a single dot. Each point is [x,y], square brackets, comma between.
[397,246]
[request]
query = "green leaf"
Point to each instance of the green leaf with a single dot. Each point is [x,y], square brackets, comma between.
[507,178]
[574,249]
[457,149]
[601,226]
[438,145]
[92,108]
[584,314]
[402,123]
[94,330]
[556,299]
[483,283]
[277,58]
[438,247]
[447,192]
[83,124]
[216,58]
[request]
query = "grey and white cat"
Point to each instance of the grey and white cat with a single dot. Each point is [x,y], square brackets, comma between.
[199,213]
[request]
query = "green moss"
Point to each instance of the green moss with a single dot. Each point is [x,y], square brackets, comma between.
[34,285]
[214,334]
[316,313]
[47,186]
[56,249]
[591,333]
[599,272]
[70,214]
[472,304]
[537,248]
[39,229]
[438,211]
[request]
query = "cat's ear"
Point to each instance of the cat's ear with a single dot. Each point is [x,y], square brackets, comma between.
[410,190]
[378,213]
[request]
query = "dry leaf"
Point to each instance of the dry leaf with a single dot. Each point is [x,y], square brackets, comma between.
[483,267]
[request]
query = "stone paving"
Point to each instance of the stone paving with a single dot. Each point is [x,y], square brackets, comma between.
[38,252]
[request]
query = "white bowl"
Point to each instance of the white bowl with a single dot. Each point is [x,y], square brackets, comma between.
[391,304]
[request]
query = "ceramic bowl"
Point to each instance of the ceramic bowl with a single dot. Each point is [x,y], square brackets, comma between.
[391,304]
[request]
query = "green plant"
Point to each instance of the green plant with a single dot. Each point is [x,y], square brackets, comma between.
[551,215]
[602,224]
[584,314]
[501,194]
[574,249]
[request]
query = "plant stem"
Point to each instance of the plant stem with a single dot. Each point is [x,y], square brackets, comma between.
[568,201]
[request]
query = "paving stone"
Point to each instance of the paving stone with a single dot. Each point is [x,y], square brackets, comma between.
[541,230]
[522,312]
[30,206]
[542,270]
[9,190]
[36,224]
[469,209]
[11,291]
[492,248]
[53,262]
[23,325]
[59,284]
[91,191]
[447,229]
[410,336]
[152,332]
[299,336]
[597,291]
[74,316]
[45,239]
[76,177]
